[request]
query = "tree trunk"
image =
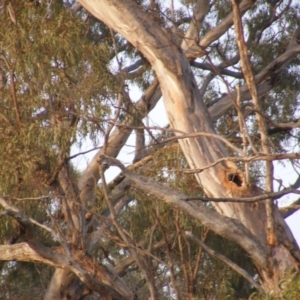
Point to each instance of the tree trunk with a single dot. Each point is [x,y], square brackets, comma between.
[64,285]
[188,114]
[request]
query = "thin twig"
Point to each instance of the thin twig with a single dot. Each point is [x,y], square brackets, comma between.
[115,48]
[246,68]
[14,96]
[169,257]
[117,113]
[13,91]
[244,131]
[199,255]
[260,157]
[180,246]
[266,196]
[28,198]
[82,153]
[140,262]
[185,135]
[227,261]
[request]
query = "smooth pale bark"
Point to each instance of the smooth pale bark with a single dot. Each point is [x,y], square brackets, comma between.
[63,282]
[187,113]
[71,287]
[192,35]
[91,175]
[118,138]
[91,274]
[222,225]
[22,252]
[198,48]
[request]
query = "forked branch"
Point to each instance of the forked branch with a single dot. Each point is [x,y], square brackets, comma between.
[225,226]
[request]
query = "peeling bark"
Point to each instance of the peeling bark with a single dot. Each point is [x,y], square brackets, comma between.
[76,273]
[187,113]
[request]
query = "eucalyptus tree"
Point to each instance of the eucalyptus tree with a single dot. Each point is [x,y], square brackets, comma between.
[228,76]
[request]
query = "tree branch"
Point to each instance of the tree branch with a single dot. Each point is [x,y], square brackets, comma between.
[91,176]
[191,37]
[225,226]
[261,156]
[223,71]
[218,31]
[92,274]
[224,259]
[287,211]
[129,244]
[247,71]
[265,196]
[72,208]
[273,69]
[23,252]
[134,66]
[124,264]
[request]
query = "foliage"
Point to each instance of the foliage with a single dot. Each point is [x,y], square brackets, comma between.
[63,75]
[31,284]
[289,286]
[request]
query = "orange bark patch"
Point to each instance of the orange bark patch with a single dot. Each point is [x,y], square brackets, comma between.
[234,182]
[271,238]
